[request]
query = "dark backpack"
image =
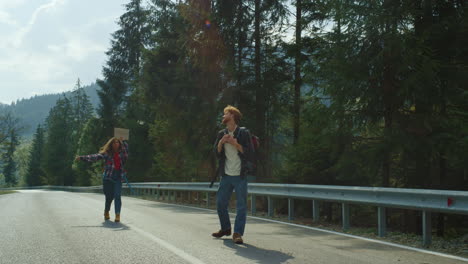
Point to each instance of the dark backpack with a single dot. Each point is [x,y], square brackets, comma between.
[253,157]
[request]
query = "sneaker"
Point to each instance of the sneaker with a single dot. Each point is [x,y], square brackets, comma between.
[106,215]
[237,238]
[221,233]
[117,218]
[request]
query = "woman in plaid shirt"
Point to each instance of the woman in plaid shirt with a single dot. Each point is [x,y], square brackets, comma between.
[115,154]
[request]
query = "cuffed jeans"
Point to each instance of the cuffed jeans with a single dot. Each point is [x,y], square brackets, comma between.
[113,190]
[226,186]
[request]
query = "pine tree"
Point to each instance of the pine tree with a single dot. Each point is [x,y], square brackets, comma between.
[82,111]
[9,164]
[9,141]
[58,149]
[123,65]
[90,141]
[35,174]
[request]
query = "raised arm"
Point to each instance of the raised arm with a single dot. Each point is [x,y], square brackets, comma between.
[124,151]
[91,157]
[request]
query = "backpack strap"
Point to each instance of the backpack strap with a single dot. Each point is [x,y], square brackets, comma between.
[241,129]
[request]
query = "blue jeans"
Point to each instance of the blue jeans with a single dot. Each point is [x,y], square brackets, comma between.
[113,190]
[226,186]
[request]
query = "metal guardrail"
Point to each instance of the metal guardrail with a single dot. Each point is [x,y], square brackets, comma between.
[58,188]
[427,201]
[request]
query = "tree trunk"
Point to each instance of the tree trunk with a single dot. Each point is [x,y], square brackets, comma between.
[260,92]
[240,46]
[297,73]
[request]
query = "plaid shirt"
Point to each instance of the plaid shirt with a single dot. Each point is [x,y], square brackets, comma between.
[109,165]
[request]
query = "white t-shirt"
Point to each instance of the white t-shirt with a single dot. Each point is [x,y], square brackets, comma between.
[232,166]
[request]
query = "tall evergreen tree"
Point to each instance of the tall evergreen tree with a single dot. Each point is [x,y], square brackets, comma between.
[123,65]
[297,72]
[35,174]
[9,164]
[58,149]
[9,140]
[90,141]
[82,111]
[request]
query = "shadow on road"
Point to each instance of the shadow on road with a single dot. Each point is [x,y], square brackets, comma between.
[177,208]
[257,254]
[108,224]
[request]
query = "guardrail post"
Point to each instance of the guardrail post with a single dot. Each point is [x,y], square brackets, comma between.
[382,221]
[315,211]
[253,204]
[427,228]
[207,199]
[270,206]
[345,215]
[158,194]
[290,209]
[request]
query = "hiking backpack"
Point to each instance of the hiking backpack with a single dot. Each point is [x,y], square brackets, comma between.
[253,159]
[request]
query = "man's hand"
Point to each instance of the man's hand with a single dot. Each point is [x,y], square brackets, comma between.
[222,141]
[225,139]
[77,158]
[232,140]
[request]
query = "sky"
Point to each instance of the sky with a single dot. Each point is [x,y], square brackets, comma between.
[46,45]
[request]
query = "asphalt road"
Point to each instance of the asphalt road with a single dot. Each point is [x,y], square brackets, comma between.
[61,227]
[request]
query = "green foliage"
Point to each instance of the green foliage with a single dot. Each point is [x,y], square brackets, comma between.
[392,81]
[21,158]
[90,141]
[35,175]
[64,126]
[9,141]
[58,149]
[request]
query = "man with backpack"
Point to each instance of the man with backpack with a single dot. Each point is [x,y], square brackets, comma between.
[233,148]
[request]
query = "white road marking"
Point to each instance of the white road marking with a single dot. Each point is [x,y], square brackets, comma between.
[172,248]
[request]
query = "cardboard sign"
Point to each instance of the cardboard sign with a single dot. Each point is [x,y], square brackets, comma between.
[121,132]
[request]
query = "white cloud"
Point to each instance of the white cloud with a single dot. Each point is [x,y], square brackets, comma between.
[8,4]
[34,67]
[5,18]
[77,48]
[45,45]
[17,40]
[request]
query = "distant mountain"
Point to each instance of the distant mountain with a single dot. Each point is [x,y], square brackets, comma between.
[34,111]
